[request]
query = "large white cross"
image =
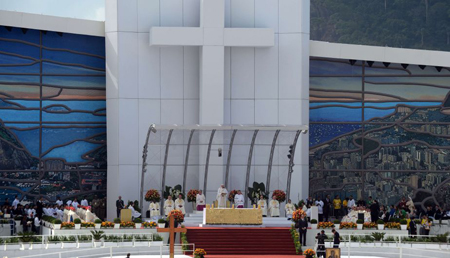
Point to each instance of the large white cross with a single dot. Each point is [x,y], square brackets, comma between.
[212,37]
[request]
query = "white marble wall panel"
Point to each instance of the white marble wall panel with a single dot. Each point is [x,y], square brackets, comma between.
[266,14]
[148,14]
[191,111]
[112,183]
[191,70]
[171,111]
[112,107]
[242,112]
[191,13]
[266,112]
[128,131]
[128,64]
[112,65]
[242,13]
[149,69]
[172,73]
[243,73]
[266,72]
[129,178]
[171,13]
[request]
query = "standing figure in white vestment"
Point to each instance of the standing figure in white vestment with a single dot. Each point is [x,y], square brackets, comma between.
[222,197]
[274,207]
[263,204]
[84,202]
[239,200]
[16,202]
[289,208]
[200,201]
[59,201]
[75,203]
[168,205]
[179,204]
[134,213]
[154,209]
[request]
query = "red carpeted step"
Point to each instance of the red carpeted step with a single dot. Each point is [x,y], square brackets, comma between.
[242,241]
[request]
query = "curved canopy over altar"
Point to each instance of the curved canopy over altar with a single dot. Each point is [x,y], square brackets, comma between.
[204,157]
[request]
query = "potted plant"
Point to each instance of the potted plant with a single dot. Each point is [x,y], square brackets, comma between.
[98,223]
[337,223]
[57,224]
[116,223]
[18,219]
[128,224]
[161,223]
[380,223]
[68,225]
[77,222]
[199,253]
[107,224]
[313,224]
[97,235]
[360,223]
[138,222]
[309,253]
[151,224]
[403,224]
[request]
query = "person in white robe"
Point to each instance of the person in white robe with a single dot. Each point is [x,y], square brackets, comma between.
[200,201]
[75,203]
[274,207]
[15,202]
[84,202]
[263,204]
[69,202]
[168,205]
[134,213]
[59,201]
[289,208]
[154,209]
[179,204]
[60,214]
[239,200]
[222,197]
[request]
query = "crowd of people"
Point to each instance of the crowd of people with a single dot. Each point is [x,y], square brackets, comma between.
[31,214]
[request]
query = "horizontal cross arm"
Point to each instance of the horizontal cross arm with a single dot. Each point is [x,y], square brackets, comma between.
[242,37]
[176,36]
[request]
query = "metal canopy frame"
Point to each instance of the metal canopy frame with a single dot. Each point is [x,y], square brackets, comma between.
[213,128]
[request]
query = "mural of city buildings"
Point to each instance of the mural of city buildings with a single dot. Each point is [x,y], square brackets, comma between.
[52,115]
[381,130]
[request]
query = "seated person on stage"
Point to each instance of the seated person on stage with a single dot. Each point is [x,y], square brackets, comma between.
[134,213]
[274,207]
[289,208]
[200,201]
[168,205]
[222,197]
[179,204]
[154,209]
[263,204]
[239,200]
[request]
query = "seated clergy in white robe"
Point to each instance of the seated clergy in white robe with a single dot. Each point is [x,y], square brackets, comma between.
[134,213]
[263,204]
[289,208]
[154,209]
[274,208]
[179,204]
[239,200]
[75,204]
[222,197]
[84,202]
[168,205]
[200,201]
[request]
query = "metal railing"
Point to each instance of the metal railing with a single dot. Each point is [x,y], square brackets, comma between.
[394,245]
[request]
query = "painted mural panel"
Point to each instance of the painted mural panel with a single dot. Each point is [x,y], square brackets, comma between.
[380,130]
[52,114]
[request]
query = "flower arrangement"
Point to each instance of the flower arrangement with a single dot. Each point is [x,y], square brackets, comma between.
[199,252]
[297,215]
[68,225]
[280,195]
[127,224]
[309,253]
[107,224]
[348,225]
[392,225]
[149,224]
[152,195]
[325,225]
[231,195]
[177,215]
[192,195]
[70,208]
[87,225]
[296,238]
[370,225]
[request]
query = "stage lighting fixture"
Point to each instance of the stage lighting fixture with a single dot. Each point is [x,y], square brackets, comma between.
[219,152]
[8,28]
[291,147]
[386,64]
[405,66]
[304,131]
[422,66]
[439,68]
[352,62]
[152,127]
[370,63]
[24,31]
[44,32]
[59,34]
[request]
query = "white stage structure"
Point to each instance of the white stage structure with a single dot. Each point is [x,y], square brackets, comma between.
[204,157]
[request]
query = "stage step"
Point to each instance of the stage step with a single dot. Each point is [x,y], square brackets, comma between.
[242,241]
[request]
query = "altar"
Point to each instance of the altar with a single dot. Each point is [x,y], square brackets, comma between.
[225,216]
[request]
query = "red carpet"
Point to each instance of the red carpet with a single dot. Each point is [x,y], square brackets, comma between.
[242,241]
[254,256]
